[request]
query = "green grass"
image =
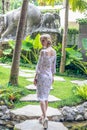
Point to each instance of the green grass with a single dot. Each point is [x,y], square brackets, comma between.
[62,90]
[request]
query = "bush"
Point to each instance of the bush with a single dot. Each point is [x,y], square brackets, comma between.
[10,95]
[81,91]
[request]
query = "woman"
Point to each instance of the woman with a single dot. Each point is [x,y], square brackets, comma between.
[44,77]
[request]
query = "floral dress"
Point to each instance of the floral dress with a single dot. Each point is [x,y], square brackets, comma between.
[46,67]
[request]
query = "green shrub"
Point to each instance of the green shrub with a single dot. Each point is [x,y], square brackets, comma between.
[81,91]
[82,21]
[9,95]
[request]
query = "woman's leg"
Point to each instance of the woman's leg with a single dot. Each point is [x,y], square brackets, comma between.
[43,108]
[46,103]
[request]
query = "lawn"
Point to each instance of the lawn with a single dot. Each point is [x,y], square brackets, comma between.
[62,90]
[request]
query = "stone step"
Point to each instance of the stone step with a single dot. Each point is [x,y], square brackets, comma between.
[27,71]
[5,65]
[23,74]
[30,79]
[33,87]
[34,111]
[33,98]
[35,125]
[56,78]
[79,82]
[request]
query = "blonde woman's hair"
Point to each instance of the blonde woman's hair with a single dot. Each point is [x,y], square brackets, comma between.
[47,37]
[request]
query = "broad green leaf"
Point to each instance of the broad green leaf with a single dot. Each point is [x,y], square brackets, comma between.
[37,43]
[11,43]
[74,53]
[7,51]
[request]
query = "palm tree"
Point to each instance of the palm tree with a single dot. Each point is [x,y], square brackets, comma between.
[16,55]
[64,41]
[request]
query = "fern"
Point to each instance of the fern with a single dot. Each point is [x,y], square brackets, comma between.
[82,91]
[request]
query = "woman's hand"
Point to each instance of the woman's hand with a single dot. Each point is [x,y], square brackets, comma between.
[35,81]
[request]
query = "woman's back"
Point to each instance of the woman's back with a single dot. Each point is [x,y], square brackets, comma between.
[47,61]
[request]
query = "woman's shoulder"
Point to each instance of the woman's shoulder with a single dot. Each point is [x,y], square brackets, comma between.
[52,50]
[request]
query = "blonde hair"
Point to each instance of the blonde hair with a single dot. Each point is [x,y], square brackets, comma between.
[47,37]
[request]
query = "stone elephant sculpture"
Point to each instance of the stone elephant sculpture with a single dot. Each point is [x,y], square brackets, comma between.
[10,20]
[50,20]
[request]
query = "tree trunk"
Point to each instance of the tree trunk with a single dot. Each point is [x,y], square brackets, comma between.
[7,5]
[64,40]
[16,55]
[3,6]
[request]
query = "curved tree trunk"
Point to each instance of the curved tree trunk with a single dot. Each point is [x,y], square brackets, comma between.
[63,56]
[19,36]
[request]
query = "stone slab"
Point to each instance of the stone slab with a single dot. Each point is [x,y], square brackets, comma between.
[35,125]
[23,74]
[57,78]
[33,87]
[34,111]
[79,82]
[30,79]
[27,71]
[5,65]
[33,97]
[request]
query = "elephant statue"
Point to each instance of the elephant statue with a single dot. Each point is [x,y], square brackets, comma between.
[9,21]
[50,20]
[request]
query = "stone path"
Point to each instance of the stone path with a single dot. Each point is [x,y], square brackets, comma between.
[34,111]
[33,87]
[79,82]
[33,97]
[35,125]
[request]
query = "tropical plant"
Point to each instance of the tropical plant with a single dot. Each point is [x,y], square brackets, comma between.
[10,95]
[81,91]
[74,56]
[31,48]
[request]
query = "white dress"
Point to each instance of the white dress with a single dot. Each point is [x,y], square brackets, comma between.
[46,67]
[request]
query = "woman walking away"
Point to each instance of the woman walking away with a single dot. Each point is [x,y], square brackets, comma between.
[44,77]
